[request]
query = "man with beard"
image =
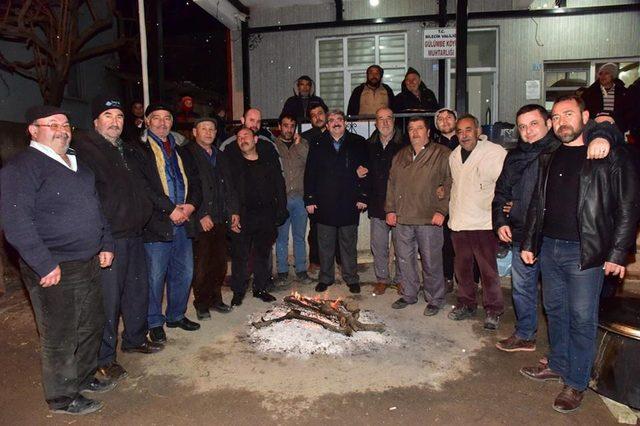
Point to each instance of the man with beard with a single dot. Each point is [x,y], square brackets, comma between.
[372,95]
[581,224]
[475,167]
[383,145]
[125,290]
[515,187]
[445,134]
[252,119]
[293,151]
[417,209]
[51,214]
[298,104]
[259,183]
[171,181]
[317,113]
[335,194]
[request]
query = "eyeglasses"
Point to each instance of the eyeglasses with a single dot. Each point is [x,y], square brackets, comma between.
[55,126]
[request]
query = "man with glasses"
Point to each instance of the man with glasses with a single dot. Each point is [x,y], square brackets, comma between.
[52,216]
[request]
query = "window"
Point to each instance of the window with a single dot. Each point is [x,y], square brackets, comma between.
[566,77]
[342,63]
[482,74]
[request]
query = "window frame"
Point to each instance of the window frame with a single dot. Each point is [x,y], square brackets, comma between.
[347,69]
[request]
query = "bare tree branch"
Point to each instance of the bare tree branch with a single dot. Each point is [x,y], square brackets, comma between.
[99,50]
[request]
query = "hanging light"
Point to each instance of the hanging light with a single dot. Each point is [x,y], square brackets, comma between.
[374,3]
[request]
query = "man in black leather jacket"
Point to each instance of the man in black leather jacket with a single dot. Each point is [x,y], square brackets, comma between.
[582,224]
[515,187]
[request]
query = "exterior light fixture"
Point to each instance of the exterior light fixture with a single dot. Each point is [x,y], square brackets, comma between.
[374,3]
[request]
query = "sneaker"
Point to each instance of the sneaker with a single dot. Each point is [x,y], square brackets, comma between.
[400,304]
[304,278]
[491,322]
[79,406]
[515,344]
[431,310]
[461,313]
[113,371]
[98,386]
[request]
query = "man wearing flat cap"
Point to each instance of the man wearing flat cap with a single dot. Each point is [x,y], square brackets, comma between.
[52,216]
[171,180]
[127,208]
[607,94]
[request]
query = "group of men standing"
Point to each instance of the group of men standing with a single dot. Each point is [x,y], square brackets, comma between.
[151,216]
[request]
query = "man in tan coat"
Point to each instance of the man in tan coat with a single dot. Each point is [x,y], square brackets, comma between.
[475,167]
[417,209]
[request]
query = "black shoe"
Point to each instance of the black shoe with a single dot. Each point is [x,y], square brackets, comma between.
[320,287]
[264,296]
[221,307]
[157,335]
[354,288]
[400,304]
[113,371]
[148,347]
[97,386]
[79,406]
[185,324]
[303,278]
[431,310]
[203,314]
[281,279]
[237,299]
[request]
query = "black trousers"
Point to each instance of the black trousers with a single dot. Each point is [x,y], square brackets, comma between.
[448,254]
[70,321]
[125,290]
[209,267]
[312,239]
[258,241]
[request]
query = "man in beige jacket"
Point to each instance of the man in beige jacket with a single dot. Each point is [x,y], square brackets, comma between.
[417,209]
[475,167]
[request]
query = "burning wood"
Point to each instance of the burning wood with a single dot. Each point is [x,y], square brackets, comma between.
[334,315]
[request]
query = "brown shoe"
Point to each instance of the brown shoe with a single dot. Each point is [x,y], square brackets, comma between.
[516,344]
[379,288]
[540,373]
[113,371]
[568,400]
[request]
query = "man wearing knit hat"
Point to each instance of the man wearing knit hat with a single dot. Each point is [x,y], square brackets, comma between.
[127,209]
[415,96]
[606,94]
[52,216]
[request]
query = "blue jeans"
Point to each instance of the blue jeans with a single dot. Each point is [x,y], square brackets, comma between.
[171,261]
[524,290]
[571,298]
[297,221]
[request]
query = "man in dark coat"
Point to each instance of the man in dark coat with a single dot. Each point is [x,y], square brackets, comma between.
[370,95]
[581,224]
[171,181]
[125,289]
[414,96]
[607,94]
[257,178]
[219,206]
[335,194]
[298,104]
[382,146]
[515,188]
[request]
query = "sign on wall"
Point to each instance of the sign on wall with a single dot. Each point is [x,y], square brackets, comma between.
[439,43]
